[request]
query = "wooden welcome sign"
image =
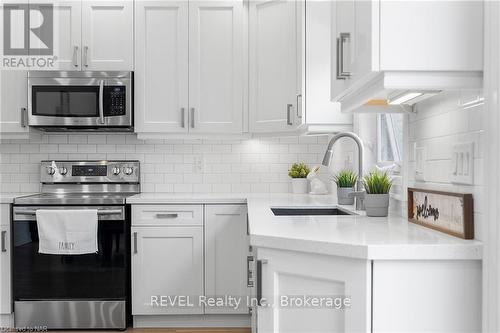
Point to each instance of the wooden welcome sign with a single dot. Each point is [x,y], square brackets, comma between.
[448,212]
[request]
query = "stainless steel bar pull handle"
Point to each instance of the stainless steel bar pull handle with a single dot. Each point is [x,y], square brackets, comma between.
[183,117]
[99,212]
[75,56]
[299,97]
[167,215]
[249,272]
[4,241]
[259,280]
[135,242]
[101,101]
[289,114]
[192,118]
[344,37]
[339,60]
[86,56]
[24,117]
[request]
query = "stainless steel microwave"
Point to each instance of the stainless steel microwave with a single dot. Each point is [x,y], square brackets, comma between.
[73,101]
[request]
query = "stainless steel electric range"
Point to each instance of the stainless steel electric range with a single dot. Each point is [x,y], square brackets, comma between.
[89,291]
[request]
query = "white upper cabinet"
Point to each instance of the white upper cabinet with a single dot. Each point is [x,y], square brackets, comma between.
[161,67]
[216,66]
[189,48]
[13,104]
[68,34]
[274,65]
[107,35]
[226,251]
[290,60]
[384,48]
[321,114]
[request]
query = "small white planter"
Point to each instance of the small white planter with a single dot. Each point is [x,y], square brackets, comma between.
[376,204]
[299,185]
[343,195]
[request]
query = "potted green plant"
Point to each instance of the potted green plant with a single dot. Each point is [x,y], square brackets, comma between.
[298,172]
[377,185]
[345,180]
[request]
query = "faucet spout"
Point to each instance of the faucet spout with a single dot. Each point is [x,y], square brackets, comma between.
[327,159]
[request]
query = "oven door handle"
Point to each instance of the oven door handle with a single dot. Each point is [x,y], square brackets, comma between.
[101,102]
[99,212]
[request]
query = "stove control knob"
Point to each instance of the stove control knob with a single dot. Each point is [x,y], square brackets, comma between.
[51,170]
[128,171]
[116,171]
[63,171]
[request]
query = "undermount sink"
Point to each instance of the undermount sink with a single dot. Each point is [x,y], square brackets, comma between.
[309,211]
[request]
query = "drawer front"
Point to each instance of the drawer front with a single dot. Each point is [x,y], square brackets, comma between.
[154,215]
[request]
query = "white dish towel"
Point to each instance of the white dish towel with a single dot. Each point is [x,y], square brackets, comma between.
[67,231]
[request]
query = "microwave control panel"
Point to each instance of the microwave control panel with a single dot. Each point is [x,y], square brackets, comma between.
[114,101]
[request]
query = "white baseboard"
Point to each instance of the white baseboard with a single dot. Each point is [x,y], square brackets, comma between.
[192,321]
[7,320]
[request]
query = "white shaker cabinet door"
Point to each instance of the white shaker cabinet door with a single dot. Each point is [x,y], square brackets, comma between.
[216,66]
[273,65]
[68,35]
[226,251]
[13,104]
[287,275]
[167,261]
[5,258]
[343,20]
[108,35]
[161,73]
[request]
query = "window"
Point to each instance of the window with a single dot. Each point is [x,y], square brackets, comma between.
[390,139]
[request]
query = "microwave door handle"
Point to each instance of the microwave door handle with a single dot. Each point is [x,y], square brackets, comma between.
[101,102]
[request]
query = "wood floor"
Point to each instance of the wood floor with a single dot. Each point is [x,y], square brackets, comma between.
[172,330]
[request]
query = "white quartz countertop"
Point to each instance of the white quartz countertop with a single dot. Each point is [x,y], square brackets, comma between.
[8,198]
[187,198]
[355,236]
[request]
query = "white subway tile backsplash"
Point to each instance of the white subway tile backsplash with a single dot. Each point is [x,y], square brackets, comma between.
[115,138]
[96,138]
[87,148]
[190,165]
[77,139]
[440,122]
[58,138]
[106,148]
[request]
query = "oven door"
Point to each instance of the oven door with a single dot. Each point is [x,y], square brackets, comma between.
[62,100]
[102,275]
[72,291]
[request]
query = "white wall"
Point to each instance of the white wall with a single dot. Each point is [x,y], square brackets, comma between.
[256,165]
[440,122]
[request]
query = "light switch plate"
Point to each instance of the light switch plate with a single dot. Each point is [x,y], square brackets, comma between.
[420,159]
[462,163]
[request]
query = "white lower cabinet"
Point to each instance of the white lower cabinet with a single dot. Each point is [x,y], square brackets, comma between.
[226,251]
[290,277]
[5,258]
[167,270]
[180,256]
[384,295]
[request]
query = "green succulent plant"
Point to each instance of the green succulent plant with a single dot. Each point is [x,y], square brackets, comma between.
[345,178]
[298,170]
[377,182]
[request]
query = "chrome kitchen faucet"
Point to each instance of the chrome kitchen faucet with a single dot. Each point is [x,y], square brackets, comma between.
[359,194]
